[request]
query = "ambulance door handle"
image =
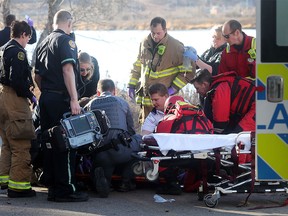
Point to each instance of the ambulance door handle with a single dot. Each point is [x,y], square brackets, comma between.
[275,89]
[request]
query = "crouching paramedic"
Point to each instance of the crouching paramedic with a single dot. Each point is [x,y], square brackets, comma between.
[229,101]
[16,126]
[122,128]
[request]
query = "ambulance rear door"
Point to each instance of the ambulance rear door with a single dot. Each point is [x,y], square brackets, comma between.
[272,102]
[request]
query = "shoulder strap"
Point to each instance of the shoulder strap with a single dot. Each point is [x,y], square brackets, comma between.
[252,50]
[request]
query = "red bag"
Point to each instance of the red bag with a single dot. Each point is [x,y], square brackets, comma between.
[185,118]
[242,91]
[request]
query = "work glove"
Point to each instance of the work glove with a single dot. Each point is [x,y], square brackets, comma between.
[171,91]
[29,20]
[191,53]
[131,93]
[33,101]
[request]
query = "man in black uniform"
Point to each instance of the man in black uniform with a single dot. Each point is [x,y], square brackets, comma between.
[6,32]
[121,133]
[55,74]
[16,127]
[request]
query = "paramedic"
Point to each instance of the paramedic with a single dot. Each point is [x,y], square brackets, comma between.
[160,60]
[55,74]
[122,125]
[230,111]
[240,53]
[16,81]
[158,94]
[89,71]
[6,32]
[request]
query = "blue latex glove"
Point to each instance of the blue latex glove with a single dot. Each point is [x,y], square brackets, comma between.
[191,53]
[131,93]
[33,101]
[29,20]
[171,91]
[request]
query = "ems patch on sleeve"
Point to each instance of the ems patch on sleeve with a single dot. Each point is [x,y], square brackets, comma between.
[21,56]
[72,44]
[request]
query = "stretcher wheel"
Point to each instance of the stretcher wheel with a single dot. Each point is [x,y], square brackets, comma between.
[210,201]
[137,168]
[149,175]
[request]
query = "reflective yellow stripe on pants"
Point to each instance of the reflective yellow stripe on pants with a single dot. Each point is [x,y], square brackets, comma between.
[4,180]
[19,185]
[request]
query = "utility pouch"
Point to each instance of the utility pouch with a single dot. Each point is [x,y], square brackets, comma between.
[54,138]
[125,138]
[21,129]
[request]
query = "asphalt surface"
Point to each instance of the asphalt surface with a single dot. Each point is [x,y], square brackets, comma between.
[141,202]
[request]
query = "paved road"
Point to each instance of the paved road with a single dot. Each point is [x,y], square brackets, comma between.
[140,202]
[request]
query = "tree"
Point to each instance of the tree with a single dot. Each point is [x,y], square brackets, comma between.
[53,7]
[5,5]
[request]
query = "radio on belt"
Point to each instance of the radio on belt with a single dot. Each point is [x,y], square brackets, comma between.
[81,129]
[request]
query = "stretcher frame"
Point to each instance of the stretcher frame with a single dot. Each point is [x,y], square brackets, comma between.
[225,186]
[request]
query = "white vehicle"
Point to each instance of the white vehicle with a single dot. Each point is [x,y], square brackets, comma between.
[272,102]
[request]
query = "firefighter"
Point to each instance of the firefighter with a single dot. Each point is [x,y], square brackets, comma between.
[160,60]
[16,126]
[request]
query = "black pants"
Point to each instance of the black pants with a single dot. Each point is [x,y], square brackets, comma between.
[120,159]
[58,166]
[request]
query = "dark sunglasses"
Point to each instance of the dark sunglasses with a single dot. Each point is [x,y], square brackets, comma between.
[83,69]
[227,36]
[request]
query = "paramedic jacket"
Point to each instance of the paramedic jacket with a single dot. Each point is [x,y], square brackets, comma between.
[46,62]
[230,112]
[6,32]
[237,58]
[20,77]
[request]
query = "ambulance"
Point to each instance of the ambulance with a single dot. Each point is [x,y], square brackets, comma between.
[272,97]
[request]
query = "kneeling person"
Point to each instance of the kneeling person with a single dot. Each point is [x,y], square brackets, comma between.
[120,116]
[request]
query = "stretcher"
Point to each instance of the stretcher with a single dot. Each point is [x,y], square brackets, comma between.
[224,150]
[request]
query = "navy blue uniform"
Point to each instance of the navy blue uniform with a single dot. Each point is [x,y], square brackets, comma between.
[19,76]
[5,36]
[88,88]
[53,53]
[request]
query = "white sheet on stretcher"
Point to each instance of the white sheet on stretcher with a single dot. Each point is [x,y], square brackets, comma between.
[199,142]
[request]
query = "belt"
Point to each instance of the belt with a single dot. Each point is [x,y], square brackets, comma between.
[54,91]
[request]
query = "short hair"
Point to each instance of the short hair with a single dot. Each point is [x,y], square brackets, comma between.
[84,58]
[234,25]
[62,16]
[202,76]
[9,19]
[158,20]
[106,85]
[20,27]
[159,88]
